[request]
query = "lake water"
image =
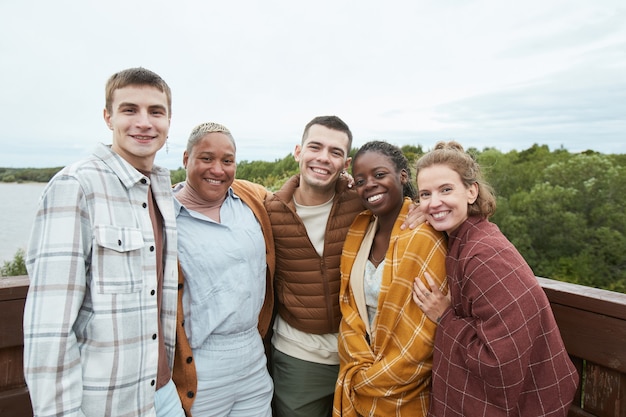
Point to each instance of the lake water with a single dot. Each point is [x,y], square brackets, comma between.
[18,205]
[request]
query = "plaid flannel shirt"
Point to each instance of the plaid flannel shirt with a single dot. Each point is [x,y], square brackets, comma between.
[90,320]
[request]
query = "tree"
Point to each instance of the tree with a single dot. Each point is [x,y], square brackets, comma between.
[571,224]
[15,267]
[178,175]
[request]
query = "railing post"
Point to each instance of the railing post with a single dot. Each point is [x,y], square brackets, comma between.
[14,398]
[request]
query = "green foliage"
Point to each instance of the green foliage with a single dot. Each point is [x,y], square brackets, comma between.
[15,267]
[412,153]
[178,175]
[564,212]
[272,175]
[27,174]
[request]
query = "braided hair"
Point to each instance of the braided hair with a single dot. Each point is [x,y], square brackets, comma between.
[396,156]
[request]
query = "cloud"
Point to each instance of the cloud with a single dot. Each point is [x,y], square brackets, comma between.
[492,73]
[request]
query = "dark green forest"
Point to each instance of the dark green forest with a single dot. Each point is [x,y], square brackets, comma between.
[565,212]
[27,174]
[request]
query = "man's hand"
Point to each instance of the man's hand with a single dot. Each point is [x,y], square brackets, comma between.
[414,217]
[345,174]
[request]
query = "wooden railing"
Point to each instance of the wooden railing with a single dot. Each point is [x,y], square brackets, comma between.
[593,326]
[14,399]
[592,323]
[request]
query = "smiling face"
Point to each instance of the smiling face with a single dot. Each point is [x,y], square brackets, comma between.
[322,156]
[444,199]
[140,123]
[211,166]
[379,183]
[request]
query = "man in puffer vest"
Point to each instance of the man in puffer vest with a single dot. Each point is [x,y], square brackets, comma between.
[310,217]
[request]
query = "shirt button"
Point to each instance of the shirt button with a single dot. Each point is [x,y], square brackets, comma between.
[144,181]
[144,205]
[154,336]
[190,394]
[189,359]
[119,243]
[152,382]
[152,292]
[151,248]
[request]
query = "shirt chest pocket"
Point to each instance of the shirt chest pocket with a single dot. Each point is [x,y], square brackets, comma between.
[117,266]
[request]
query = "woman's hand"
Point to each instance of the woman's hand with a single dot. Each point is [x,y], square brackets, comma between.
[432,302]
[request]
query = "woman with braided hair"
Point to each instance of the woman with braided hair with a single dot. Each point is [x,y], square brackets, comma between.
[385,341]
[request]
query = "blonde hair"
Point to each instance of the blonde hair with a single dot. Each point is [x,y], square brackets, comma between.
[456,158]
[203,129]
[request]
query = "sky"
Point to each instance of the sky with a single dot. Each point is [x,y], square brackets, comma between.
[487,73]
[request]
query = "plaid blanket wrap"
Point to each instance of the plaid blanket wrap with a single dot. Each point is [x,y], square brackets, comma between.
[390,374]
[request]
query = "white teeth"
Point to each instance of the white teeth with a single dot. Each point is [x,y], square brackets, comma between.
[440,214]
[213,181]
[374,198]
[320,171]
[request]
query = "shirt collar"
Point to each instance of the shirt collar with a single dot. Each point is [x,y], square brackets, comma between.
[128,174]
